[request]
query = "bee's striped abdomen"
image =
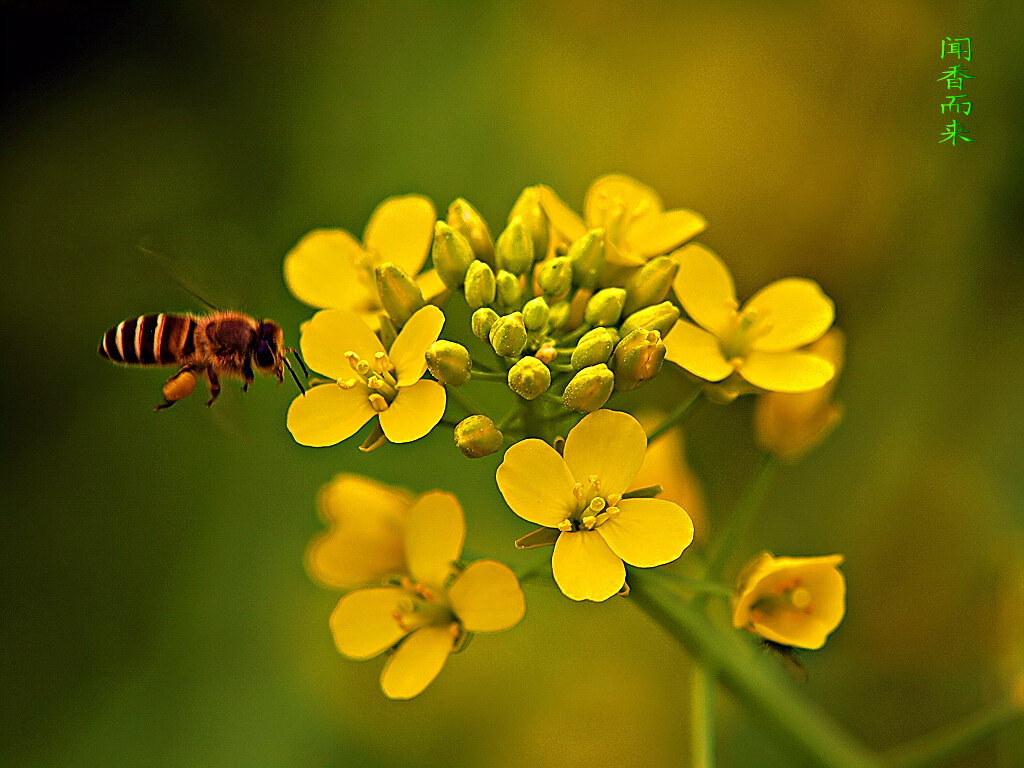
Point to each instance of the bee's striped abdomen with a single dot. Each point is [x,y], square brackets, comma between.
[150,340]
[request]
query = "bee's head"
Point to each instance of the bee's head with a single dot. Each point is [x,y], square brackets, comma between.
[269,346]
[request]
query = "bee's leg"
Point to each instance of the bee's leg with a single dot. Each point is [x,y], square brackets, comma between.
[178,387]
[247,374]
[214,386]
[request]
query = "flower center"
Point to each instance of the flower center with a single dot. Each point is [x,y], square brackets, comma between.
[743,330]
[593,508]
[616,216]
[787,596]
[423,607]
[376,377]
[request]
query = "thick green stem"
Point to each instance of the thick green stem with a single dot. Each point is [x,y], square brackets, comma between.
[686,407]
[742,517]
[697,586]
[534,422]
[939,747]
[463,400]
[762,689]
[702,736]
[479,375]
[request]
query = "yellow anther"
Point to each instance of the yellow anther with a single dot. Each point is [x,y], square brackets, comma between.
[589,521]
[577,491]
[347,383]
[612,512]
[614,499]
[800,598]
[596,504]
[353,358]
[375,382]
[565,526]
[381,362]
[377,402]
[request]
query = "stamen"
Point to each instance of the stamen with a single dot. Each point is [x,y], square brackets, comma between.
[589,521]
[382,363]
[353,359]
[565,526]
[347,383]
[597,504]
[801,598]
[377,402]
[577,492]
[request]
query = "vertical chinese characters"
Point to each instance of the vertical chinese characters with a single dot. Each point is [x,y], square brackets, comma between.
[955,103]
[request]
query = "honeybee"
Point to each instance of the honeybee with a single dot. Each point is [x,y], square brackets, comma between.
[220,343]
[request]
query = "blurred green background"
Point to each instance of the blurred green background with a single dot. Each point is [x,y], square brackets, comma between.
[155,608]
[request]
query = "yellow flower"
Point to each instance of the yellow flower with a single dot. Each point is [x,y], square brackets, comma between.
[429,613]
[759,341]
[578,496]
[368,381]
[795,601]
[790,425]
[636,224]
[330,269]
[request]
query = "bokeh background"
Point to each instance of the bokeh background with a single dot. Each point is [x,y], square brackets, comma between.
[155,607]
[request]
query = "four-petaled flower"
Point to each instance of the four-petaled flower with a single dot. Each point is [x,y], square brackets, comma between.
[795,601]
[579,497]
[760,341]
[368,381]
[429,612]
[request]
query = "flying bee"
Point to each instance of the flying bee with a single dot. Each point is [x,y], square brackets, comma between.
[220,343]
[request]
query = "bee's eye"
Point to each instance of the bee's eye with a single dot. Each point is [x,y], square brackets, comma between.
[265,357]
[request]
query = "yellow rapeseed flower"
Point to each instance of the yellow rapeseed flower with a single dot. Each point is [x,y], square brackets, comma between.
[428,614]
[760,341]
[330,269]
[791,424]
[795,601]
[636,225]
[578,496]
[368,381]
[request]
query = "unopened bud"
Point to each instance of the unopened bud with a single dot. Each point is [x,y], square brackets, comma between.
[605,307]
[638,359]
[589,389]
[508,335]
[464,219]
[477,436]
[660,318]
[480,285]
[559,314]
[398,293]
[514,249]
[555,276]
[527,208]
[449,362]
[482,322]
[529,378]
[587,256]
[595,347]
[452,255]
[179,387]
[650,284]
[509,291]
[535,314]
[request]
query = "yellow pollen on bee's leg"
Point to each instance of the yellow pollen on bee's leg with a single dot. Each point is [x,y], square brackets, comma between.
[377,402]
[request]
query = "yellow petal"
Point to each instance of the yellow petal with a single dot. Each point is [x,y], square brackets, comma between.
[536,483]
[329,335]
[585,568]
[434,532]
[408,353]
[648,532]
[414,412]
[786,371]
[328,414]
[401,230]
[321,270]
[418,660]
[608,444]
[363,622]
[365,541]
[615,193]
[796,311]
[659,234]
[565,220]
[705,288]
[487,598]
[697,351]
[665,465]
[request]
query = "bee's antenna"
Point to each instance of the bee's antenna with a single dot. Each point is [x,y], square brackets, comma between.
[162,261]
[295,378]
[305,370]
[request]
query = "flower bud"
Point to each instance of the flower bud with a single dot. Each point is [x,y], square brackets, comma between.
[529,378]
[650,284]
[587,256]
[480,285]
[452,255]
[595,347]
[508,335]
[464,219]
[476,436]
[535,314]
[638,359]
[660,318]
[514,250]
[559,315]
[555,276]
[482,322]
[449,362]
[605,307]
[589,389]
[529,211]
[509,291]
[387,333]
[398,293]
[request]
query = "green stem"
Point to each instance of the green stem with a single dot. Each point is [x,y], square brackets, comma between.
[509,419]
[479,375]
[687,406]
[534,423]
[742,517]
[699,586]
[702,701]
[761,688]
[463,400]
[940,747]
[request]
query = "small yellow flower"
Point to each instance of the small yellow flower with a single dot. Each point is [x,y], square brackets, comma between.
[760,341]
[429,613]
[330,269]
[368,381]
[790,425]
[579,497]
[636,225]
[795,601]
